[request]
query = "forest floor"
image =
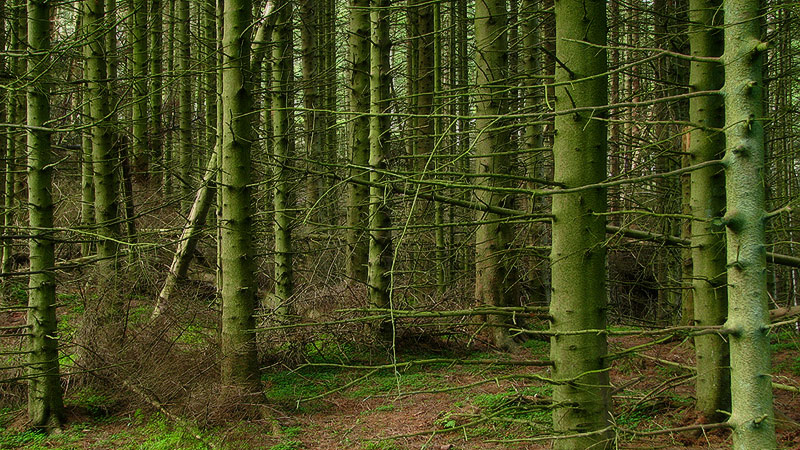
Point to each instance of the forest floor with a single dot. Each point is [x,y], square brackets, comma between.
[437,406]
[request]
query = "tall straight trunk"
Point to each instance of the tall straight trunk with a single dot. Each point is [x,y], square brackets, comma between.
[314,131]
[708,203]
[185,156]
[282,120]
[423,96]
[209,18]
[239,363]
[103,315]
[45,404]
[87,174]
[578,256]
[412,78]
[168,100]
[138,41]
[440,236]
[380,243]
[752,415]
[492,238]
[358,193]
[16,141]
[156,30]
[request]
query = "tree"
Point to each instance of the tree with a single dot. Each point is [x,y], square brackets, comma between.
[239,364]
[103,156]
[707,205]
[282,112]
[752,416]
[45,405]
[358,193]
[380,242]
[578,256]
[493,236]
[138,39]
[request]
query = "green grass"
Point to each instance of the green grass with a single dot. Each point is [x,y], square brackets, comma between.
[288,445]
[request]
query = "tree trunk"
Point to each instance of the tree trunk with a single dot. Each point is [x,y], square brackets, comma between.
[45,404]
[751,391]
[708,204]
[358,194]
[578,256]
[239,365]
[492,237]
[380,243]
[156,138]
[138,41]
[282,121]
[185,157]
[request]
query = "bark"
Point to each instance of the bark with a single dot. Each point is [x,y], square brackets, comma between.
[156,138]
[45,404]
[578,257]
[708,204]
[380,243]
[281,121]
[185,156]
[239,365]
[138,40]
[312,101]
[752,414]
[492,240]
[358,194]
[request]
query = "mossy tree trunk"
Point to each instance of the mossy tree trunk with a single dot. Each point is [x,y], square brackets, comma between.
[282,113]
[239,365]
[358,193]
[380,243]
[45,404]
[492,237]
[752,415]
[578,256]
[708,204]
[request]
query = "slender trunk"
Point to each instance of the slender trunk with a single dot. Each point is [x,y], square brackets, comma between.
[358,194]
[45,404]
[708,203]
[15,142]
[185,156]
[310,32]
[239,363]
[380,243]
[156,135]
[492,237]
[752,415]
[138,41]
[578,258]
[282,121]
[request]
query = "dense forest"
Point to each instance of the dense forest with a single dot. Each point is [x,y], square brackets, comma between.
[376,224]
